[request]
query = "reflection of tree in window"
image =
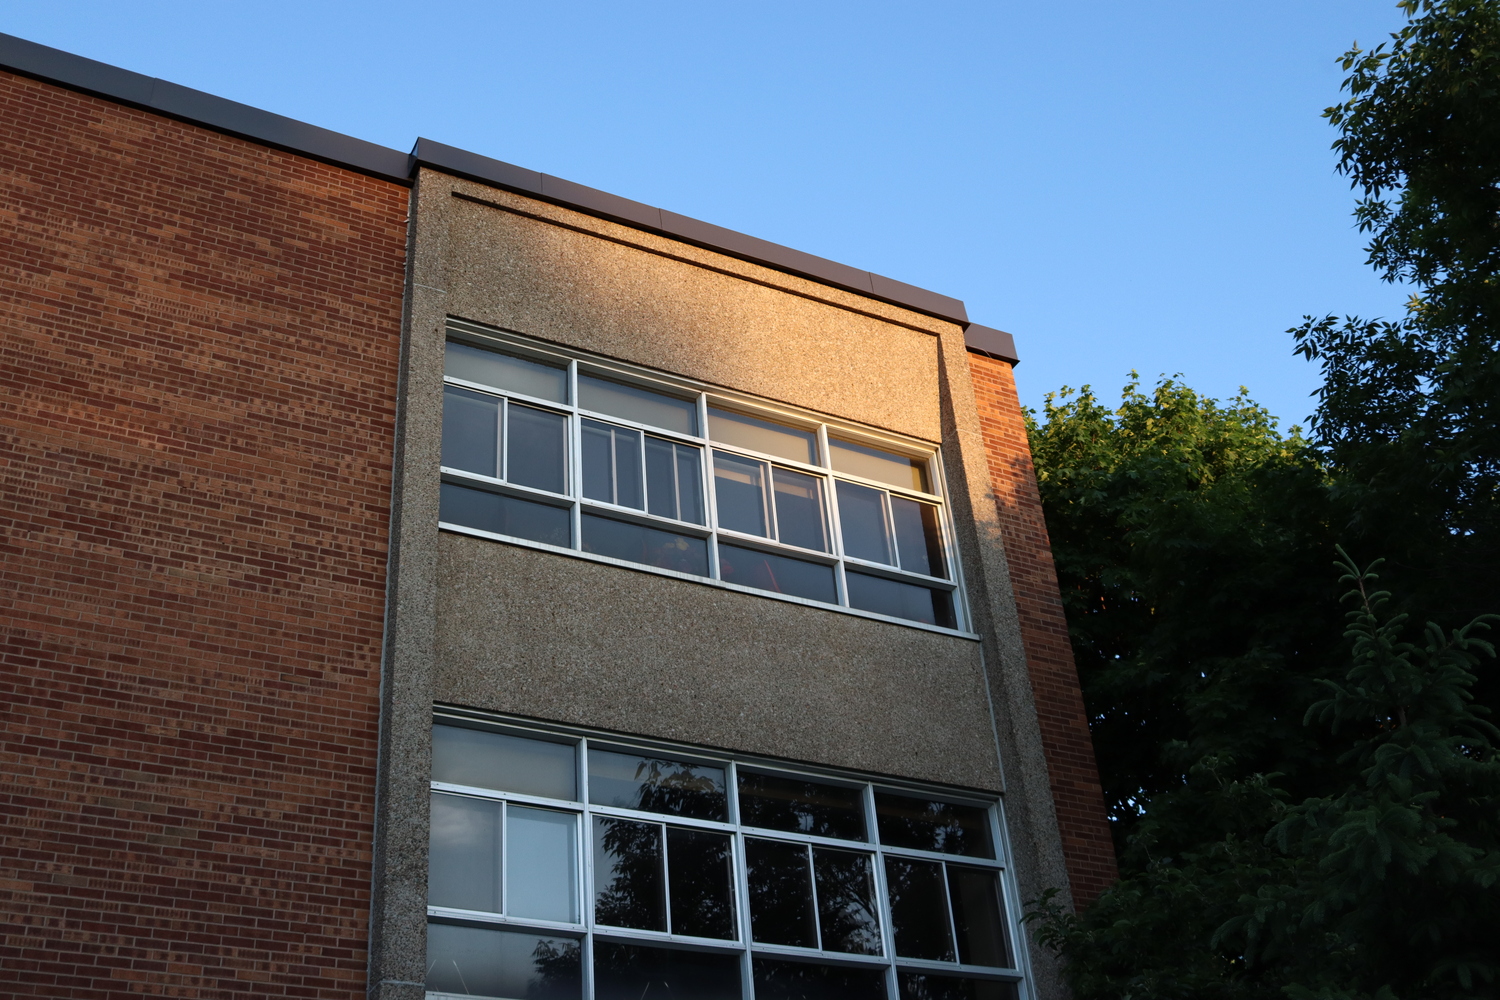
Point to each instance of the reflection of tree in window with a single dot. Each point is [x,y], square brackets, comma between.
[780,803]
[557,965]
[778,980]
[698,867]
[656,785]
[927,825]
[846,901]
[627,873]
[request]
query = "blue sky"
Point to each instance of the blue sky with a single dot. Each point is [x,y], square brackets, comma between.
[1121,186]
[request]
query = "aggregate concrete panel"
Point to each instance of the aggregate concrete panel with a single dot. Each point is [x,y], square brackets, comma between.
[569,640]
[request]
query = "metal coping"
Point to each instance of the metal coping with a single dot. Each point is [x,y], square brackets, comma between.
[230,117]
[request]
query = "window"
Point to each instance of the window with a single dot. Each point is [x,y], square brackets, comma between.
[568,867]
[570,453]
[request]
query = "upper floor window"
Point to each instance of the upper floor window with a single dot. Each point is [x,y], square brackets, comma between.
[544,448]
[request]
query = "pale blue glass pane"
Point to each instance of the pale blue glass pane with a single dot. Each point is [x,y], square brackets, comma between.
[753,434]
[535,443]
[649,546]
[477,757]
[862,523]
[471,431]
[640,405]
[778,574]
[878,464]
[463,853]
[504,515]
[799,510]
[918,538]
[541,864]
[513,965]
[740,493]
[504,371]
[900,600]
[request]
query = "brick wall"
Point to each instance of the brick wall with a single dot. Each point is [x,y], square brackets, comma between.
[1074,776]
[198,341]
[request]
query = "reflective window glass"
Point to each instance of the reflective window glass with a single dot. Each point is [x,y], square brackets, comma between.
[799,806]
[778,574]
[930,825]
[919,909]
[487,962]
[649,546]
[799,510]
[899,599]
[878,464]
[931,986]
[777,979]
[505,371]
[975,895]
[471,431]
[754,434]
[463,854]
[633,403]
[628,884]
[631,972]
[612,464]
[541,864]
[781,896]
[862,522]
[918,537]
[656,784]
[700,871]
[740,494]
[504,515]
[484,759]
[847,919]
[674,480]
[536,448]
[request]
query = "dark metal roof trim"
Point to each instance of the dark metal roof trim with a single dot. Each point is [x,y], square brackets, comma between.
[988,340]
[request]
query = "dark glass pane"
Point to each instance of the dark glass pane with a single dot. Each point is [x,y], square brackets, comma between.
[628,884]
[504,371]
[507,763]
[463,853]
[655,784]
[541,864]
[689,484]
[799,510]
[846,901]
[631,972]
[798,806]
[699,869]
[919,910]
[763,436]
[674,480]
[779,574]
[781,898]
[535,448]
[740,493]
[879,465]
[629,490]
[650,546]
[478,961]
[917,537]
[504,515]
[862,523]
[471,431]
[927,986]
[598,463]
[900,600]
[928,825]
[975,895]
[640,405]
[781,980]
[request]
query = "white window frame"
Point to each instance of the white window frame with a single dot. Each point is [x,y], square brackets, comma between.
[577,362]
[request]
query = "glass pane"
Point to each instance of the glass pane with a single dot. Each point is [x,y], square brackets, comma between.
[650,546]
[862,523]
[846,901]
[927,986]
[640,405]
[928,825]
[463,853]
[630,972]
[699,870]
[919,910]
[763,436]
[504,371]
[541,864]
[900,600]
[655,784]
[504,515]
[535,446]
[674,480]
[478,961]
[778,574]
[780,980]
[880,465]
[917,537]
[612,464]
[799,510]
[471,431]
[627,875]
[781,898]
[740,494]
[798,806]
[975,894]
[506,763]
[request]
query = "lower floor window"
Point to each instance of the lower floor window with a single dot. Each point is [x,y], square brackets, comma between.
[564,866]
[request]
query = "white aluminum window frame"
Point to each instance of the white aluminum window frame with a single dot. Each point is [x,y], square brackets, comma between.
[576,362]
[586,931]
